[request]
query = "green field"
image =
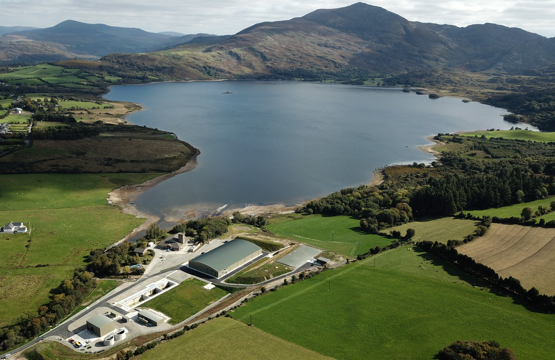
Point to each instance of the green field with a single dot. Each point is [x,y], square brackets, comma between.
[13,118]
[258,272]
[512,210]
[68,216]
[440,230]
[33,72]
[517,135]
[66,104]
[225,338]
[409,306]
[185,300]
[348,238]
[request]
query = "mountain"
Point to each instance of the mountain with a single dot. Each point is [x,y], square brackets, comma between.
[12,29]
[356,39]
[99,39]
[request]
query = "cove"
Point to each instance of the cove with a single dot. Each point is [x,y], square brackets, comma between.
[284,142]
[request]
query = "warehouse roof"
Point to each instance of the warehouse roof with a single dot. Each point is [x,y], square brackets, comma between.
[99,320]
[150,315]
[228,254]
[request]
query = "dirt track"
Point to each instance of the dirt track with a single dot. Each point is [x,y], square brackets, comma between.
[523,252]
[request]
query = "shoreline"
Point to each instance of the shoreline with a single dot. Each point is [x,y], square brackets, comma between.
[125,195]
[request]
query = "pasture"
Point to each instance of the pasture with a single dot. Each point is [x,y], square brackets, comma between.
[409,306]
[185,300]
[516,135]
[341,234]
[512,210]
[264,269]
[225,338]
[439,230]
[68,216]
[523,252]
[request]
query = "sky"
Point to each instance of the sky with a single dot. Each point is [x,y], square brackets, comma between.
[224,17]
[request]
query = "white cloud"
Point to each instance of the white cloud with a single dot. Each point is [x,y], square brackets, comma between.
[231,16]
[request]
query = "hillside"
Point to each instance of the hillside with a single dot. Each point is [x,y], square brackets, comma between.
[351,42]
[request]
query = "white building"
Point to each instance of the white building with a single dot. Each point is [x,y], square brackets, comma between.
[17,110]
[13,228]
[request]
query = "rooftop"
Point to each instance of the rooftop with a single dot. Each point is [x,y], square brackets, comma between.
[150,315]
[227,254]
[99,320]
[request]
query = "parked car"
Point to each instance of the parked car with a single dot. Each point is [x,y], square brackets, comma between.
[78,344]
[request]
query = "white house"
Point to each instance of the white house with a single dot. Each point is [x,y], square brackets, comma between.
[13,228]
[17,110]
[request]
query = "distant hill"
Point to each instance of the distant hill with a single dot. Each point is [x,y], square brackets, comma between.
[355,39]
[171,33]
[71,39]
[12,29]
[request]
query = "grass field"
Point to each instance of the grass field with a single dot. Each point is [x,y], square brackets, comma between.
[409,306]
[440,230]
[523,252]
[348,238]
[68,216]
[517,135]
[65,104]
[225,338]
[185,300]
[262,270]
[512,210]
[14,119]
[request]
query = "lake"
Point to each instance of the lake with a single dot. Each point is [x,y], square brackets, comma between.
[284,142]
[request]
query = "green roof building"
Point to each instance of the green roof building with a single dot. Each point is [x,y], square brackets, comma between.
[225,258]
[101,325]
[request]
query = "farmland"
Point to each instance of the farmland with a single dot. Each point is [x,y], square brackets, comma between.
[185,300]
[523,252]
[341,234]
[440,230]
[68,216]
[516,135]
[45,74]
[220,339]
[408,306]
[512,210]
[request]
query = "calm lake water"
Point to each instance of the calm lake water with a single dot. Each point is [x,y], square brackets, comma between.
[286,142]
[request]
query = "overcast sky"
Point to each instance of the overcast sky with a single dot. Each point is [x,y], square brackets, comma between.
[231,16]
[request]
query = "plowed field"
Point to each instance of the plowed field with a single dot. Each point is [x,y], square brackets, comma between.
[523,252]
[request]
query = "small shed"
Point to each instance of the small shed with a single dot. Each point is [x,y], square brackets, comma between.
[323,260]
[140,251]
[150,317]
[101,325]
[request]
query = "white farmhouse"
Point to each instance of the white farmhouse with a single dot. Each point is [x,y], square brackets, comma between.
[13,228]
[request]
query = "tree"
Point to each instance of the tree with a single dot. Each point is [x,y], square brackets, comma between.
[126,270]
[410,234]
[527,213]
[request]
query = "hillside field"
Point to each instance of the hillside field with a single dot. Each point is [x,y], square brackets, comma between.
[523,252]
[68,216]
[348,238]
[409,306]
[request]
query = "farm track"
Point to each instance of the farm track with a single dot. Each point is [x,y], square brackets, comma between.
[525,253]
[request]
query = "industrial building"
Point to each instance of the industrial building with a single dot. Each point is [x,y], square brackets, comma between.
[101,325]
[150,317]
[226,258]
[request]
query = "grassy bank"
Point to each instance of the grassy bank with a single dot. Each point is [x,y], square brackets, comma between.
[516,135]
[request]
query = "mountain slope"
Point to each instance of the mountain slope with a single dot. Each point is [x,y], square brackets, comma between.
[352,40]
